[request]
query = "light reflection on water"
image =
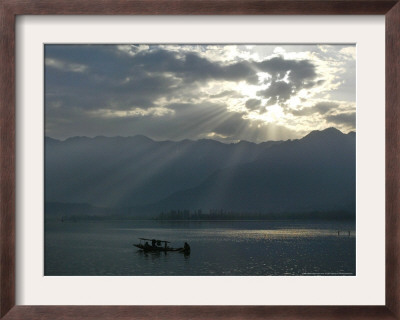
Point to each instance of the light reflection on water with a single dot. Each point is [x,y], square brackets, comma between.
[218,248]
[253,234]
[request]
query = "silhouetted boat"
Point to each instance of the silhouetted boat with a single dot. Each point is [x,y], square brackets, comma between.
[159,246]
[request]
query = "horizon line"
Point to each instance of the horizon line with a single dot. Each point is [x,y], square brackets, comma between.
[202,139]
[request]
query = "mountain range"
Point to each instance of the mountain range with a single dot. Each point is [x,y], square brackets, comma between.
[136,176]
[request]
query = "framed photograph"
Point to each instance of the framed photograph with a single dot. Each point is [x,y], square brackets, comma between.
[179,165]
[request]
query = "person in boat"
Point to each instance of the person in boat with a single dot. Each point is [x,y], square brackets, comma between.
[186,247]
[153,243]
[146,245]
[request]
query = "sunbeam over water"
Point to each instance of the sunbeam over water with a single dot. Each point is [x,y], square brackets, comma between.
[263,248]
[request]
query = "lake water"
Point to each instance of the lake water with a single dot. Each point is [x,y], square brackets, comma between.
[217,248]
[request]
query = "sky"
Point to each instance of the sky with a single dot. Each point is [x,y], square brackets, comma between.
[223,92]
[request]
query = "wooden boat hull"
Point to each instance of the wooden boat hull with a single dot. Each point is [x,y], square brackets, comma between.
[156,249]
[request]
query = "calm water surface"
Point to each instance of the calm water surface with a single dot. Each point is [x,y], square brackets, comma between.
[217,248]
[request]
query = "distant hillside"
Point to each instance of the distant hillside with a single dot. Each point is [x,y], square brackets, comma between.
[316,173]
[134,171]
[137,175]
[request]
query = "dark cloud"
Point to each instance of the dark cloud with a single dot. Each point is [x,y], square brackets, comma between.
[192,68]
[113,78]
[300,75]
[324,107]
[343,119]
[253,104]
[117,80]
[78,91]
[110,81]
[320,107]
[82,81]
[300,71]
[278,92]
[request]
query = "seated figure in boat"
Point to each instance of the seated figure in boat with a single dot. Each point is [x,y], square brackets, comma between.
[186,247]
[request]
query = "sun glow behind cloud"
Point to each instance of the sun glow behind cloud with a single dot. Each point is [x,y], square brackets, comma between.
[223,92]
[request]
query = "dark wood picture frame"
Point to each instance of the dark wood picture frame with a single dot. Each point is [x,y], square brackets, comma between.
[9,9]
